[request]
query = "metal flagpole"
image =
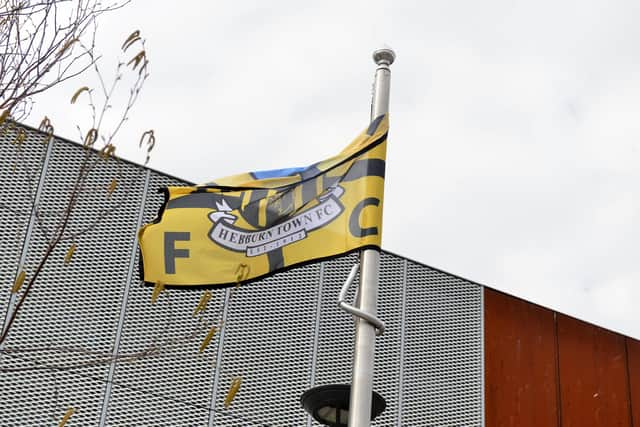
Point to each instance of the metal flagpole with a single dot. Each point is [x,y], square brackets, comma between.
[362,382]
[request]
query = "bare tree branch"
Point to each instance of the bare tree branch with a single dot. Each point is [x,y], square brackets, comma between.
[39,50]
[90,160]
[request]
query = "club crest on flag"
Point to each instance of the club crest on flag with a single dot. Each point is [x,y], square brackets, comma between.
[292,229]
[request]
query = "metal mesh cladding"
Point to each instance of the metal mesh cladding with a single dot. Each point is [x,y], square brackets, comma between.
[58,351]
[269,342]
[442,366]
[171,386]
[20,169]
[282,335]
[388,346]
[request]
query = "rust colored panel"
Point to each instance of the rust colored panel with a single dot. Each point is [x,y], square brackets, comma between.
[520,363]
[593,375]
[633,352]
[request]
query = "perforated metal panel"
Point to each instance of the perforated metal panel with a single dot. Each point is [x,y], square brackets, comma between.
[442,366]
[386,379]
[20,171]
[67,325]
[283,335]
[269,342]
[172,387]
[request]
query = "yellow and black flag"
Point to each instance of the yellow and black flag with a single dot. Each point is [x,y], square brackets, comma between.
[251,225]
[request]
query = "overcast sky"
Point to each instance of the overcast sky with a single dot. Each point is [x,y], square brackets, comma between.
[514,149]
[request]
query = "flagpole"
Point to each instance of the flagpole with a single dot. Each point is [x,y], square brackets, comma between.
[363,358]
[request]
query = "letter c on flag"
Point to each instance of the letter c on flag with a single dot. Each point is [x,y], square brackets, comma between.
[354,219]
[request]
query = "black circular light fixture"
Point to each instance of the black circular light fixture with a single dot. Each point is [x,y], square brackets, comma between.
[329,404]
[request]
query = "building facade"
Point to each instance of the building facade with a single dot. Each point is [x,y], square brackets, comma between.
[88,337]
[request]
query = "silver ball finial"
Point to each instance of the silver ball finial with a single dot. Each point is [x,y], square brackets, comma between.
[384,56]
